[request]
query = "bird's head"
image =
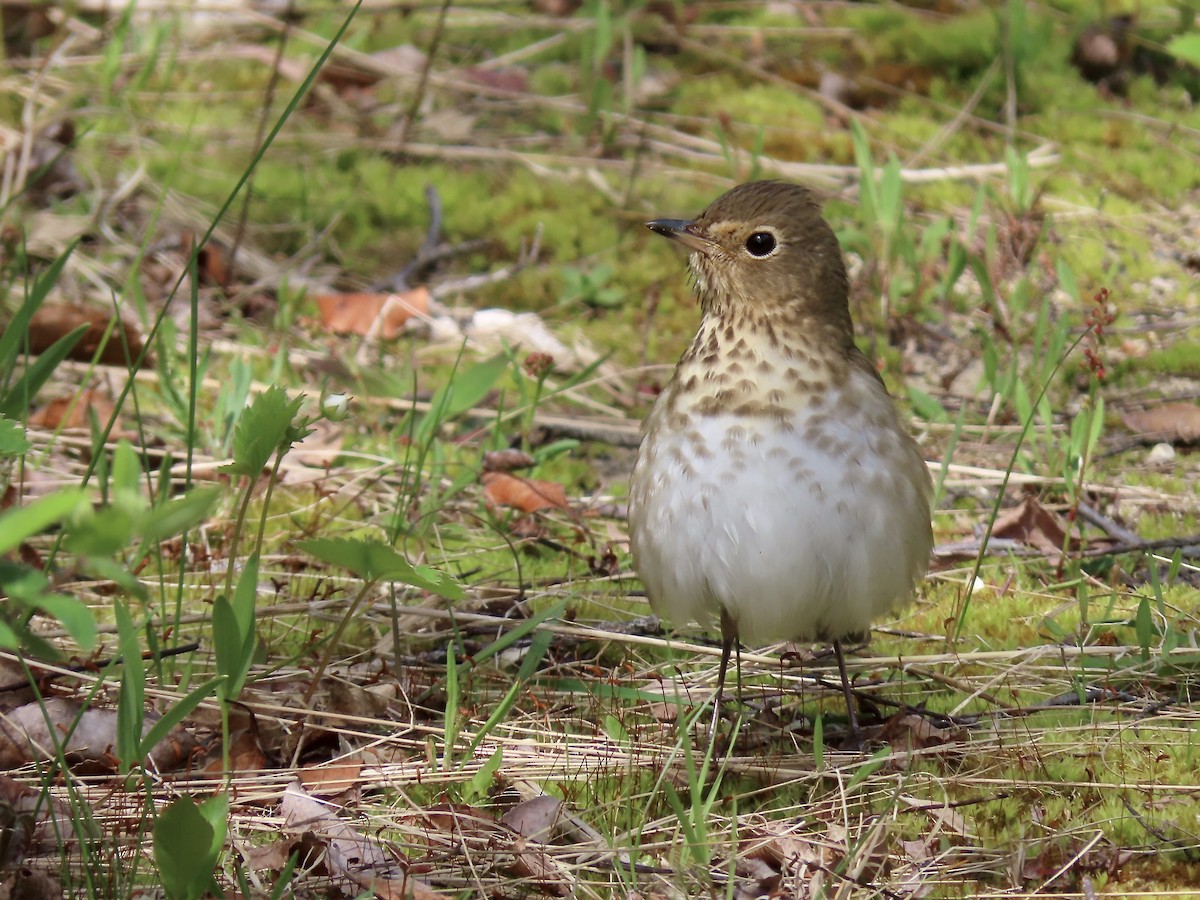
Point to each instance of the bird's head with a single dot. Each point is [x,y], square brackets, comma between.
[763,248]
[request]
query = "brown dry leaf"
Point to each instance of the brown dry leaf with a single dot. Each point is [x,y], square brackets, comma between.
[460,824]
[72,411]
[506,460]
[558,8]
[526,494]
[535,865]
[378,315]
[1102,856]
[510,78]
[48,233]
[330,779]
[54,320]
[536,818]
[32,731]
[952,821]
[348,854]
[47,821]
[245,755]
[27,883]
[784,847]
[1032,524]
[270,857]
[907,732]
[369,702]
[1173,422]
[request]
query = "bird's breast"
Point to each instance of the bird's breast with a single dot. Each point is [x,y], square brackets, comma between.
[803,516]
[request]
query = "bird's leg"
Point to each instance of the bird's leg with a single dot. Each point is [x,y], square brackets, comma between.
[728,640]
[846,692]
[737,650]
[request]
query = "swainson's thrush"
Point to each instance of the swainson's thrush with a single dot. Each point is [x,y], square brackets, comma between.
[776,493]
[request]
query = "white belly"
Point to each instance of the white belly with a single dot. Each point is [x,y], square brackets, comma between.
[807,532]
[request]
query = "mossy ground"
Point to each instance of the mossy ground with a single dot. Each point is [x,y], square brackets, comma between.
[1029,785]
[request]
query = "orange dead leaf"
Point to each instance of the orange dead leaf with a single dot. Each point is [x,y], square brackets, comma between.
[72,411]
[379,315]
[330,779]
[525,494]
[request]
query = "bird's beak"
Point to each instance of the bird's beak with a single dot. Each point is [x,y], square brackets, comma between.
[681,230]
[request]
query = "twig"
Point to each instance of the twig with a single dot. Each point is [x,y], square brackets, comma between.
[1066,867]
[58,672]
[1188,546]
[1189,849]
[1093,516]
[419,94]
[432,250]
[264,114]
[474,282]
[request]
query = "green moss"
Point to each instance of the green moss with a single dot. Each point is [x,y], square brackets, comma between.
[1180,358]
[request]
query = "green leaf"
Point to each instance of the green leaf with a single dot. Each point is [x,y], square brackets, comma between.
[509,638]
[131,703]
[184,835]
[233,632]
[264,429]
[479,783]
[868,768]
[1185,47]
[14,335]
[25,388]
[926,406]
[125,482]
[375,561]
[104,533]
[868,191]
[8,638]
[819,743]
[20,524]
[117,572]
[176,713]
[12,438]
[178,515]
[74,616]
[465,390]
[1143,626]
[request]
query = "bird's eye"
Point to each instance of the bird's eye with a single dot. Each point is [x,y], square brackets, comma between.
[760,244]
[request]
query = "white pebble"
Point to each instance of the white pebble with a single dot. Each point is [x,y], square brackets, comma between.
[1160,454]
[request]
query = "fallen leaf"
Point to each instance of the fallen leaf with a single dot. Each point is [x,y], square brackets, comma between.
[268,857]
[1174,422]
[1032,524]
[31,732]
[506,460]
[51,820]
[348,853]
[525,494]
[48,233]
[330,779]
[536,818]
[72,411]
[508,79]
[54,320]
[377,315]
[27,883]
[907,731]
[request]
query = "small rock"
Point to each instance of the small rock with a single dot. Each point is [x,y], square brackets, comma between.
[1160,454]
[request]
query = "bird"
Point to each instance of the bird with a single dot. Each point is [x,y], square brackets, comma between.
[777,494]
